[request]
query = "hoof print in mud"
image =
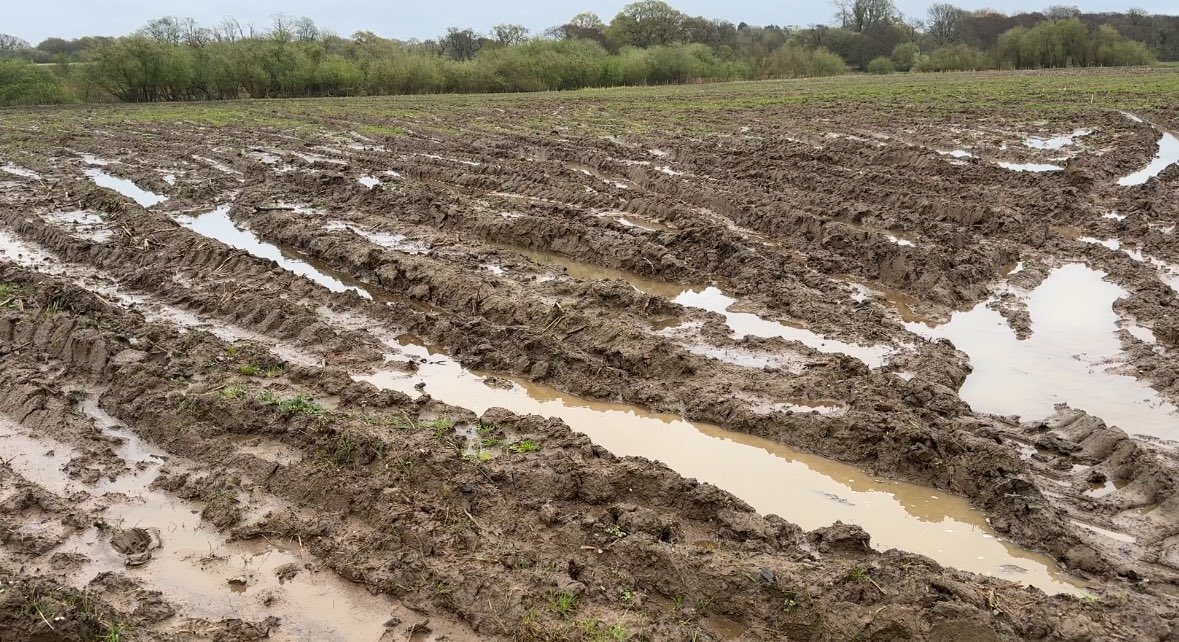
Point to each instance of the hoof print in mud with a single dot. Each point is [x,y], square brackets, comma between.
[136,544]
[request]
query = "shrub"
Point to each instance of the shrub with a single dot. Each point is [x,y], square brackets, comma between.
[954,58]
[906,55]
[24,83]
[881,66]
[797,62]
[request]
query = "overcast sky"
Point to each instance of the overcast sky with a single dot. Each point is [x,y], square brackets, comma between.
[35,21]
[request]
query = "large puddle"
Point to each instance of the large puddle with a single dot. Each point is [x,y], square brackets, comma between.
[808,490]
[712,299]
[1069,357]
[1167,155]
[197,568]
[1056,142]
[125,187]
[218,225]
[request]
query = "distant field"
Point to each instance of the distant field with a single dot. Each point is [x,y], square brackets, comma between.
[1025,94]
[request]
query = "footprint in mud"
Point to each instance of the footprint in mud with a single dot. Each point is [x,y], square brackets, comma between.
[136,544]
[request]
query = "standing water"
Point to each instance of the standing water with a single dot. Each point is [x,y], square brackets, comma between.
[1068,358]
[218,225]
[125,187]
[712,299]
[1167,155]
[808,490]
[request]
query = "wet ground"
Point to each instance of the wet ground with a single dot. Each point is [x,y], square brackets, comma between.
[481,379]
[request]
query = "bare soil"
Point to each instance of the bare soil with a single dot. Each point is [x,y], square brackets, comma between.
[163,392]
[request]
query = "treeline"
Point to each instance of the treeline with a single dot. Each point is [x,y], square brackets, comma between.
[648,42]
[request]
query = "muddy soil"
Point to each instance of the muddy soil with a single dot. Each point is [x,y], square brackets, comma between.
[482,380]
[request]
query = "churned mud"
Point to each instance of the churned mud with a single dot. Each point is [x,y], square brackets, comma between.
[412,374]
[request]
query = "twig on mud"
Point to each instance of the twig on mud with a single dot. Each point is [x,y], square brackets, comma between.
[473,521]
[42,615]
[409,423]
[882,591]
[573,332]
[554,323]
[19,347]
[491,609]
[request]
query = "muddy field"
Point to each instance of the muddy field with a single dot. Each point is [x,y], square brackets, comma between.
[775,361]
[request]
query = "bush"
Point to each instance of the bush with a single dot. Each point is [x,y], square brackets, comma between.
[1068,43]
[1124,53]
[954,58]
[796,62]
[906,55]
[881,66]
[24,83]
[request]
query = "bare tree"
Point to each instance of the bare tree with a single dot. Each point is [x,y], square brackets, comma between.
[282,30]
[1062,12]
[508,34]
[859,15]
[194,34]
[305,30]
[167,29]
[946,23]
[460,44]
[230,30]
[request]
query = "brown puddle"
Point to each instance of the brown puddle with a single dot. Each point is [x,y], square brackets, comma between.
[197,568]
[903,303]
[1068,359]
[583,271]
[808,490]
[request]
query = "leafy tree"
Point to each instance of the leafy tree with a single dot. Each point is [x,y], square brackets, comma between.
[583,26]
[647,23]
[12,43]
[507,35]
[50,45]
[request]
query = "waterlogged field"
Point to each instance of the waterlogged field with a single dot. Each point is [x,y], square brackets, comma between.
[855,358]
